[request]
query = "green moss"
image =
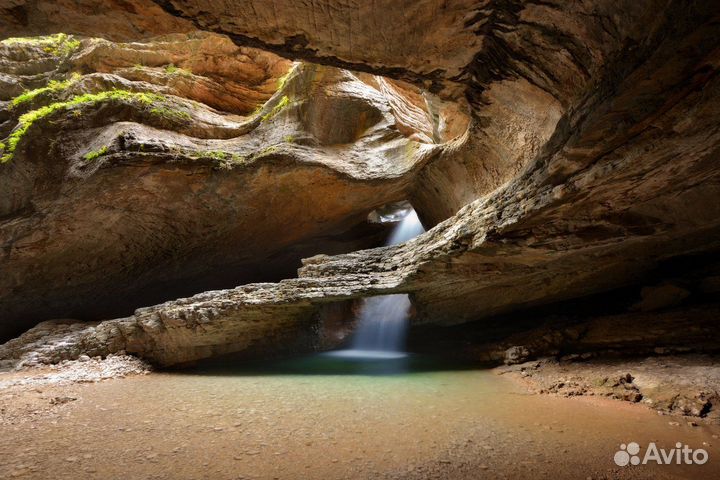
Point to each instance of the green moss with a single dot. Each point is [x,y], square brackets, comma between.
[283,80]
[173,70]
[59,45]
[267,151]
[18,40]
[257,110]
[214,154]
[113,95]
[53,86]
[289,139]
[12,143]
[44,40]
[67,48]
[95,154]
[171,114]
[284,102]
[28,119]
[220,156]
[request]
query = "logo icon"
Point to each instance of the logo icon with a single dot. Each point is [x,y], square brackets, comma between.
[627,454]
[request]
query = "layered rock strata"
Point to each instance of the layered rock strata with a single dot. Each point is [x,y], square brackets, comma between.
[590,159]
[135,173]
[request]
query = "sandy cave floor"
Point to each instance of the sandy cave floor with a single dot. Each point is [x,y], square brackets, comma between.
[300,421]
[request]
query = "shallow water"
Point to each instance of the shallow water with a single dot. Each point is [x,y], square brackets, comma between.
[324,418]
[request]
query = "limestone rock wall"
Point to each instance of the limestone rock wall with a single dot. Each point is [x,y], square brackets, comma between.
[139,172]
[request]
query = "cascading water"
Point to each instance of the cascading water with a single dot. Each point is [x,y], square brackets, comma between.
[384,319]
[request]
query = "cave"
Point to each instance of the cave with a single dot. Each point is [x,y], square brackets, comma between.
[327,239]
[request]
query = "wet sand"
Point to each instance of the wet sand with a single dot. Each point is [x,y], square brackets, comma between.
[285,424]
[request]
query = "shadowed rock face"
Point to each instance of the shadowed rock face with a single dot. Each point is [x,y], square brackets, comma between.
[590,158]
[112,19]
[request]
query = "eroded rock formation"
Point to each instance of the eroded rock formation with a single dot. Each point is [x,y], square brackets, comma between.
[134,173]
[591,158]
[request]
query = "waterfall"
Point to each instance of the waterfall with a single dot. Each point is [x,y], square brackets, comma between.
[409,227]
[383,320]
[382,324]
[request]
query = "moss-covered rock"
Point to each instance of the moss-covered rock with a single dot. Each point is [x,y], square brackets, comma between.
[145,193]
